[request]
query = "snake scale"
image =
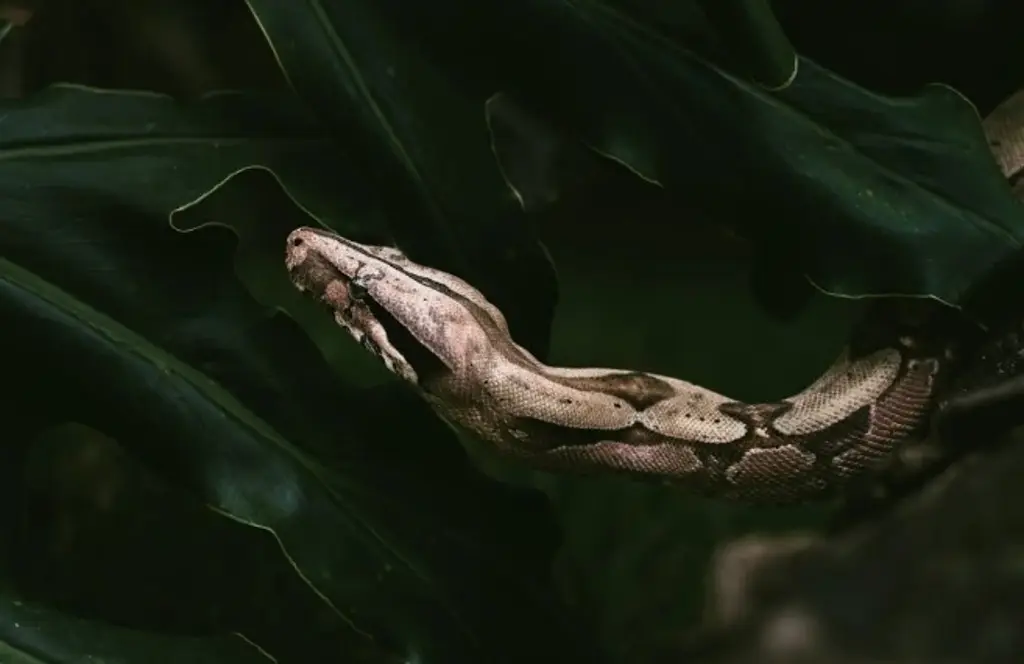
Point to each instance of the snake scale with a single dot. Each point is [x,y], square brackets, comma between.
[442,335]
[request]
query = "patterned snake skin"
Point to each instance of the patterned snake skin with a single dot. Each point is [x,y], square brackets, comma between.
[443,336]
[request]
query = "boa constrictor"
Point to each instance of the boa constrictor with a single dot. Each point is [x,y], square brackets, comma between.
[442,335]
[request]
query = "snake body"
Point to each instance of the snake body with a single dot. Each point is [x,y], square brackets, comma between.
[442,335]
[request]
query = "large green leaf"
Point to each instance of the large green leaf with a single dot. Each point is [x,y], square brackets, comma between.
[866,194]
[875,194]
[741,34]
[753,40]
[115,320]
[385,580]
[32,634]
[68,133]
[423,135]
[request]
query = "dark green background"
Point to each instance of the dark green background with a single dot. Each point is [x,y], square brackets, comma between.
[267,484]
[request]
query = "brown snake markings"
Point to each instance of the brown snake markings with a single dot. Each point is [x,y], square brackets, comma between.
[442,335]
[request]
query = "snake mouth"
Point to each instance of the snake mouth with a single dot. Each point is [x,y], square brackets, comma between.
[310,272]
[348,280]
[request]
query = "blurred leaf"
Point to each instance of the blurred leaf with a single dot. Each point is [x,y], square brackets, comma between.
[32,634]
[424,137]
[115,320]
[102,536]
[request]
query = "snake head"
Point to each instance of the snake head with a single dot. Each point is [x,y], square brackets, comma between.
[418,320]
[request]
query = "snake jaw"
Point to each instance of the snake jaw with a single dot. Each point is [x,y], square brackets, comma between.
[340,278]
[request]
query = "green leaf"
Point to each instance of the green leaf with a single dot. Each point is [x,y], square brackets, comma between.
[873,195]
[98,159]
[742,36]
[754,40]
[424,137]
[866,194]
[117,321]
[101,536]
[138,156]
[382,581]
[32,634]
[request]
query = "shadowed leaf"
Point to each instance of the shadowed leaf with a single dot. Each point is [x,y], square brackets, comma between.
[31,634]
[866,194]
[115,320]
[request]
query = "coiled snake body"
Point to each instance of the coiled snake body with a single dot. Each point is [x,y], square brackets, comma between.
[442,335]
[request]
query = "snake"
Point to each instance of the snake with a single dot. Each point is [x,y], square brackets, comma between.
[441,335]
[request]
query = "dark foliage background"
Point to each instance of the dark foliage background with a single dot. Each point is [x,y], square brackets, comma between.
[197,465]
